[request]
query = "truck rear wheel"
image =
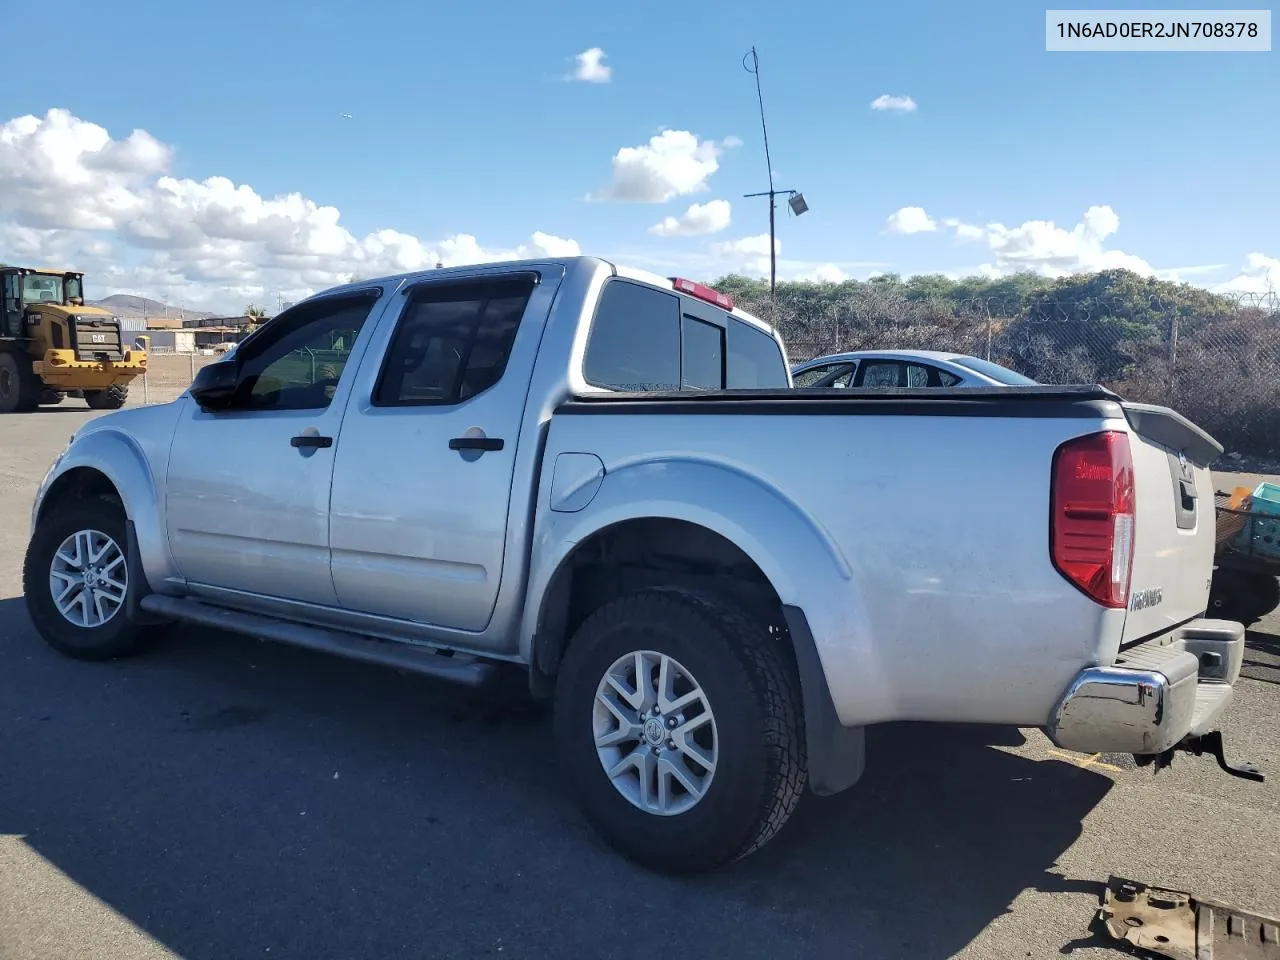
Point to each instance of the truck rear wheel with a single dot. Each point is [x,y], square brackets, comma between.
[75,580]
[112,398]
[19,386]
[678,721]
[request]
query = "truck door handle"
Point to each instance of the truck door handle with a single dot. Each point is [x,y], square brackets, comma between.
[311,440]
[476,443]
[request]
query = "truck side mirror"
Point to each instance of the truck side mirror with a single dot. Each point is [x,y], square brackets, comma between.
[214,386]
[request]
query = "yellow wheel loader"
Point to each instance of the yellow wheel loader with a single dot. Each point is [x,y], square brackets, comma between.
[53,346]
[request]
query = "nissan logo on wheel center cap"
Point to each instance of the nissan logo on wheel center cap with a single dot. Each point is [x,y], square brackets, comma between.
[654,731]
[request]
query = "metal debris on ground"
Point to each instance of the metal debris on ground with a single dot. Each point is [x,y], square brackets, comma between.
[1175,924]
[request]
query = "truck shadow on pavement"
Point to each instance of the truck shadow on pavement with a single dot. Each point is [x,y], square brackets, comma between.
[232,797]
[1262,657]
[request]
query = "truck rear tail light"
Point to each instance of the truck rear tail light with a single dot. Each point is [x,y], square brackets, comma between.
[1091,526]
[703,292]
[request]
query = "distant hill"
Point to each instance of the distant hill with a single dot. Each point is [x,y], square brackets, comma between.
[129,305]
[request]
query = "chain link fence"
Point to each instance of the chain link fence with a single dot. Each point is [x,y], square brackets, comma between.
[1215,360]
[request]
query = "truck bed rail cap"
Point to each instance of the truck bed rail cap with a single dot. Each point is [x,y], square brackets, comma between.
[1040,402]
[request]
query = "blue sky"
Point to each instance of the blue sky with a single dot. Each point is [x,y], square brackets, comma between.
[461,122]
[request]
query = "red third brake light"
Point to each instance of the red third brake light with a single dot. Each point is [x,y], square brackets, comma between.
[703,292]
[1091,527]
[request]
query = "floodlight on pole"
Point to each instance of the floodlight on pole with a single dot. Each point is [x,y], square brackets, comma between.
[796,201]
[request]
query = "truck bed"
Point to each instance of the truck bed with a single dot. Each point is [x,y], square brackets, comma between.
[935,507]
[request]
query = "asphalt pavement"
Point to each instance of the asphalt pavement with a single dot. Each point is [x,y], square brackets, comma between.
[223,797]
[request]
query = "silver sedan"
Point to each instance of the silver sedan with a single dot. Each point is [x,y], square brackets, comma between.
[904,368]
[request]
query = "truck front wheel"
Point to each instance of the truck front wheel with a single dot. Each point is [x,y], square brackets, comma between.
[75,580]
[679,726]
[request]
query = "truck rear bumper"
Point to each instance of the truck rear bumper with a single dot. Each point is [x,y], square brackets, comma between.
[1155,695]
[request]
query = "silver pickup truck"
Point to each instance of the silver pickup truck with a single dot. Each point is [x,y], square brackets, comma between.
[604,480]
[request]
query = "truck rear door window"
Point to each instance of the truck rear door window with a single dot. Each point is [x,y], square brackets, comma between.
[635,339]
[755,360]
[701,355]
[453,341]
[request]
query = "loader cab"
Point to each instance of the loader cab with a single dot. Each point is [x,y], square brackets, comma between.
[23,289]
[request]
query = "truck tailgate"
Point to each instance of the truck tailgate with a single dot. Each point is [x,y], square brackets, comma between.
[1174,520]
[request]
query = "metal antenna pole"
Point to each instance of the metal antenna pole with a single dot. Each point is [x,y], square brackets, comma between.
[754,69]
[797,202]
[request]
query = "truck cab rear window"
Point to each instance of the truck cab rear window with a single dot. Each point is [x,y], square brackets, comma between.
[755,360]
[641,339]
[635,339]
[701,355]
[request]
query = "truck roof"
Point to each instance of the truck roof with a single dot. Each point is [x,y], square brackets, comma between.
[40,271]
[620,270]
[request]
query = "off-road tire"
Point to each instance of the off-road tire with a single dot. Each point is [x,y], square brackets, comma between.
[753,690]
[19,386]
[112,398]
[51,398]
[119,636]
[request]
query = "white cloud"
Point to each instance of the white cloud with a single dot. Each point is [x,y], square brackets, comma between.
[60,172]
[673,163]
[591,67]
[731,141]
[822,273]
[747,254]
[964,231]
[910,220]
[1045,248]
[896,104]
[71,195]
[699,220]
[1260,275]
[1039,246]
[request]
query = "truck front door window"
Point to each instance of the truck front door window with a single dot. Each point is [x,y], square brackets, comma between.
[299,368]
[635,339]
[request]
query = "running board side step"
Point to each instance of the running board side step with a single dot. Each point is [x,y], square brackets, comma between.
[413,658]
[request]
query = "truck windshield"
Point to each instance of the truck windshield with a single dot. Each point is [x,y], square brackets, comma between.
[42,288]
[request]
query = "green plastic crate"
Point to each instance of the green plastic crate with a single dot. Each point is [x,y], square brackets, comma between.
[1261,533]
